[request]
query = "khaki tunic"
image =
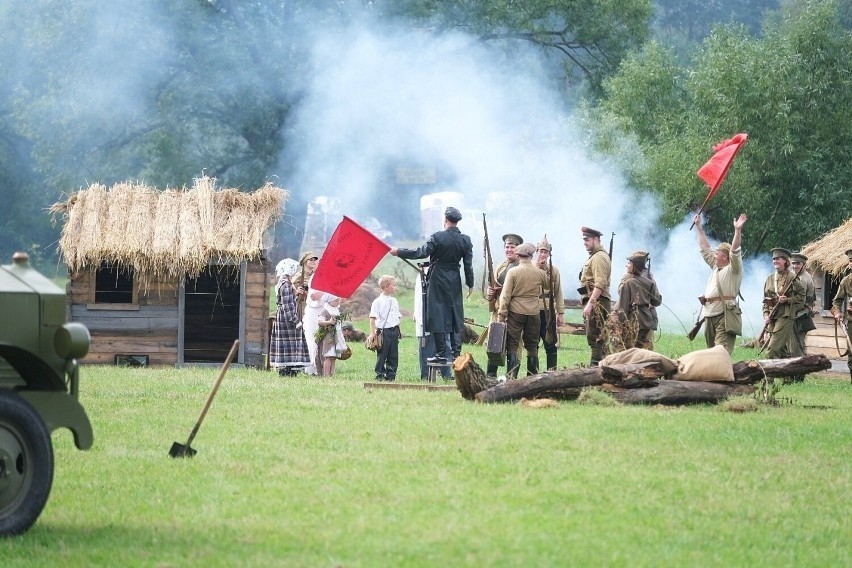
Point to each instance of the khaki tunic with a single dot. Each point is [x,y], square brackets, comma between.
[782,324]
[596,273]
[558,299]
[723,287]
[522,291]
[843,301]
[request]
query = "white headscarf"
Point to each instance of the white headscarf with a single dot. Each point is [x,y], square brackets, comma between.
[286,267]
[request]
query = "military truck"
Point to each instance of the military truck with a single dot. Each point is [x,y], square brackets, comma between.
[39,380]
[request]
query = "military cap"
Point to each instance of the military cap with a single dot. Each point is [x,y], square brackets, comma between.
[780,253]
[544,244]
[512,238]
[452,215]
[848,254]
[587,232]
[310,255]
[798,257]
[526,249]
[638,260]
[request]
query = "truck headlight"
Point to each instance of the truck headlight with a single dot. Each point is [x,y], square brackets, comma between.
[72,341]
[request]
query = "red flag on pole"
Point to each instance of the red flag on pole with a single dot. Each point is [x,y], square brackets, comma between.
[351,255]
[714,171]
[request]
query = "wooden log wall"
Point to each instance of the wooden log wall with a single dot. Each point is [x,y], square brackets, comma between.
[150,328]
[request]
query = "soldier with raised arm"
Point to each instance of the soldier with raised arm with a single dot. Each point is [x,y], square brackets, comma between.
[720,307]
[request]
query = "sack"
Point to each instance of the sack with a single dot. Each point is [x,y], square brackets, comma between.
[805,323]
[375,343]
[707,365]
[346,354]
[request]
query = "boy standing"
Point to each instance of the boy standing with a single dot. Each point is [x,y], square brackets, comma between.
[384,320]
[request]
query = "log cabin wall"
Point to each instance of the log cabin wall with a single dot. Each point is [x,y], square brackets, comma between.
[150,326]
[255,344]
[147,327]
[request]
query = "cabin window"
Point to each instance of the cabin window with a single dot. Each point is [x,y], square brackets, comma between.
[114,285]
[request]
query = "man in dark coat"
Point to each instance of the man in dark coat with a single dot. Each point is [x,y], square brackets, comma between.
[444,301]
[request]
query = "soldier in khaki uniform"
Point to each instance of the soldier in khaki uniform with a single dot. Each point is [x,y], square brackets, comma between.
[302,280]
[510,242]
[594,289]
[783,297]
[554,280]
[841,307]
[638,298]
[804,318]
[519,307]
[719,307]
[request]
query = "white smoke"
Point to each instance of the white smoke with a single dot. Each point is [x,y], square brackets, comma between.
[514,151]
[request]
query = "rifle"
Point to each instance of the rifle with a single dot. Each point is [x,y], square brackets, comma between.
[551,312]
[488,280]
[774,312]
[611,238]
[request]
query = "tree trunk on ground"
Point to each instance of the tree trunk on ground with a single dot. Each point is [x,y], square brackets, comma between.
[675,393]
[753,371]
[631,383]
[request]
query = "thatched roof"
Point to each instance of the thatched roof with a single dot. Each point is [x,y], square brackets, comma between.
[165,234]
[828,253]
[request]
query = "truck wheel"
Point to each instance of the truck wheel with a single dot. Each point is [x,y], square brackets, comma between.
[26,464]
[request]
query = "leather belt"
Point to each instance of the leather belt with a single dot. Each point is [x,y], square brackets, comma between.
[720,299]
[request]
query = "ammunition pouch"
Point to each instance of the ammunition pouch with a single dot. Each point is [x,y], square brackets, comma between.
[804,323]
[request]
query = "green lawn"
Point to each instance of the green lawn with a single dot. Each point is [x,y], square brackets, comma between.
[323,472]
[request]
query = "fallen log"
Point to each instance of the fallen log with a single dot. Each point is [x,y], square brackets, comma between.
[675,393]
[752,371]
[638,380]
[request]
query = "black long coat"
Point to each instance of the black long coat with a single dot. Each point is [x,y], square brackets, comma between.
[444,296]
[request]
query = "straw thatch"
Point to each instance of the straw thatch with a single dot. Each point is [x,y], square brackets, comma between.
[828,253]
[164,235]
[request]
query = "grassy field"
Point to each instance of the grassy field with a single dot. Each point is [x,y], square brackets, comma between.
[323,472]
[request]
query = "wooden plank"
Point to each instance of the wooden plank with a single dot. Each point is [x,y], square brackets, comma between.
[408,386]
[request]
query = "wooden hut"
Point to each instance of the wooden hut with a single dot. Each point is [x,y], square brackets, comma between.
[169,277]
[827,262]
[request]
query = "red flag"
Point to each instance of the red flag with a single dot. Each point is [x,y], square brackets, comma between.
[351,255]
[714,171]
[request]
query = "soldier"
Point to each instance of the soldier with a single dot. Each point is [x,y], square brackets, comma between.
[841,308]
[719,306]
[510,242]
[783,297]
[638,298]
[519,307]
[594,289]
[554,282]
[804,317]
[447,251]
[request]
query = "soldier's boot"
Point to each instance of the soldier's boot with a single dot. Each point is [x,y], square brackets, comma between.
[512,365]
[532,365]
[440,349]
[551,361]
[491,370]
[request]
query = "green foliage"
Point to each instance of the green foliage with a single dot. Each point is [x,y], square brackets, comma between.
[789,90]
[592,36]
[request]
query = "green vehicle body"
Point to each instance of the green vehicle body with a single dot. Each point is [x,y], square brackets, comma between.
[39,389]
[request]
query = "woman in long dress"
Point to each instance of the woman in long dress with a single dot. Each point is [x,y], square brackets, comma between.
[288,350]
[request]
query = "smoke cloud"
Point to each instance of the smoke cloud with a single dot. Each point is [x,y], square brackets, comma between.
[499,134]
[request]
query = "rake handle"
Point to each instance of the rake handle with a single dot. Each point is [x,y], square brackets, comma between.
[212,394]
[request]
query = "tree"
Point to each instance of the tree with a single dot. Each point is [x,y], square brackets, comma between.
[789,90]
[592,36]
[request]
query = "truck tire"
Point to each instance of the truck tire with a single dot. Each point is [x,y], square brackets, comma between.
[26,464]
